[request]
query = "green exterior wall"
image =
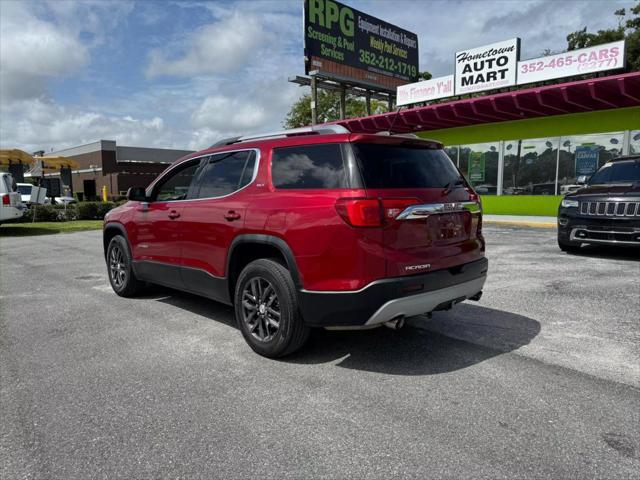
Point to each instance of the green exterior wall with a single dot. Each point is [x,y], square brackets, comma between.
[544,205]
[574,124]
[558,125]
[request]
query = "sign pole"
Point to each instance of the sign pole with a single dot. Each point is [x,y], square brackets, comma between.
[343,102]
[367,100]
[390,102]
[314,100]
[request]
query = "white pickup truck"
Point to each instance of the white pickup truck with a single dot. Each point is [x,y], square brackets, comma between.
[11,207]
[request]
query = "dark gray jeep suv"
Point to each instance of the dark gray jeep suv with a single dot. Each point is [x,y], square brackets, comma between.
[606,210]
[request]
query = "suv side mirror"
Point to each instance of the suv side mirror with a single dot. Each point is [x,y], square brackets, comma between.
[582,179]
[137,194]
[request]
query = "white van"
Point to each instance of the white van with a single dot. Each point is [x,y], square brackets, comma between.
[11,207]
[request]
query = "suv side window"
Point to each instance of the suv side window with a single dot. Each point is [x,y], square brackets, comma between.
[224,173]
[309,166]
[176,185]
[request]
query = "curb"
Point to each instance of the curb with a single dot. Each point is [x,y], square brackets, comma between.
[514,223]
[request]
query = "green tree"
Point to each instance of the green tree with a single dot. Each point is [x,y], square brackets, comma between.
[629,30]
[328,109]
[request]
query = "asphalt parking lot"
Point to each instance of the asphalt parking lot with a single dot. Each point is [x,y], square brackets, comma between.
[540,379]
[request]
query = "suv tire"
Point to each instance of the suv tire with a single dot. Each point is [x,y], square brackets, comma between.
[120,270]
[568,247]
[266,308]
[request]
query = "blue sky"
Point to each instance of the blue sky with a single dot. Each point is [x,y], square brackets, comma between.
[182,73]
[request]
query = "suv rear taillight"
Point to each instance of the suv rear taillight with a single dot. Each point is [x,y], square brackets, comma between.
[6,200]
[372,212]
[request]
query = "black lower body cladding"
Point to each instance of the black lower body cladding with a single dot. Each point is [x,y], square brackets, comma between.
[356,308]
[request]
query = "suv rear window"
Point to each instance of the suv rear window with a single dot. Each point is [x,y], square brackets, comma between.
[393,166]
[308,166]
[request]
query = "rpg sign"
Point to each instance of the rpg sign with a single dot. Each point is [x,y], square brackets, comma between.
[488,67]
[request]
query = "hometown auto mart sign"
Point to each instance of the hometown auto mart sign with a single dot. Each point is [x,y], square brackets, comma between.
[487,67]
[494,66]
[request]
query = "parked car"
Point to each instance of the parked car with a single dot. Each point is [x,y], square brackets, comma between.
[606,210]
[11,207]
[311,227]
[62,200]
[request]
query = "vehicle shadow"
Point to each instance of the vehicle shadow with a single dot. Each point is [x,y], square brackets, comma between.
[608,252]
[9,231]
[450,341]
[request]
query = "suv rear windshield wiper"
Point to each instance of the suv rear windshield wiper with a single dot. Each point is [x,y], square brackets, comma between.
[450,186]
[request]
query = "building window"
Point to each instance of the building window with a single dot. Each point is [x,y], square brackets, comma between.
[583,155]
[634,144]
[530,167]
[479,164]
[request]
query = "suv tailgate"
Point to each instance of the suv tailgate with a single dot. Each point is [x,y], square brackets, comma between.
[432,215]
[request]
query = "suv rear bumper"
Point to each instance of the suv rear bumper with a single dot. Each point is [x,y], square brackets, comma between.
[386,299]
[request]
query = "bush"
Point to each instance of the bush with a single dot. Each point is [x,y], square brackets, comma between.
[68,213]
[103,208]
[87,210]
[75,211]
[93,210]
[42,213]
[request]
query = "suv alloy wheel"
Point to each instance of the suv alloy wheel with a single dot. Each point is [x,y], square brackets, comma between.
[266,307]
[121,276]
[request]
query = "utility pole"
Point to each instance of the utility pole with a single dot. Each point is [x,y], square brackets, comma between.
[314,99]
[343,102]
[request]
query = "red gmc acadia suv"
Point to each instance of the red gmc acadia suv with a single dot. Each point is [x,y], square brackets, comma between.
[311,227]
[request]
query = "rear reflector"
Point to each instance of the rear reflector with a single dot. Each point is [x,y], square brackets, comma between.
[372,212]
[5,199]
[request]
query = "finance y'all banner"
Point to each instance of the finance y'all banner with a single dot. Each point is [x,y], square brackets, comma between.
[425,91]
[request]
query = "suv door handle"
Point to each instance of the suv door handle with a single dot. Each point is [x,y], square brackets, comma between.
[173,214]
[231,216]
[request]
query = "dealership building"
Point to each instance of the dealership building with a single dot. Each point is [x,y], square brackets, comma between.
[105,164]
[530,141]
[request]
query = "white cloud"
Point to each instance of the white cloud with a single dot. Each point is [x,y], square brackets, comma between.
[444,27]
[221,47]
[32,51]
[39,124]
[226,78]
[231,113]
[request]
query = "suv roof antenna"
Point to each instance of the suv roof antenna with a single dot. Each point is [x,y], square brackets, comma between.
[393,122]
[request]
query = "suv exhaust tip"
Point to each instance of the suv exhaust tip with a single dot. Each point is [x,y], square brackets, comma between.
[395,324]
[476,297]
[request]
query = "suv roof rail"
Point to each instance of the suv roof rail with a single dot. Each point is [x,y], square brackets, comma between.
[386,133]
[225,141]
[314,129]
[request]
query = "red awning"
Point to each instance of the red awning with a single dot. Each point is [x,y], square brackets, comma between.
[573,97]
